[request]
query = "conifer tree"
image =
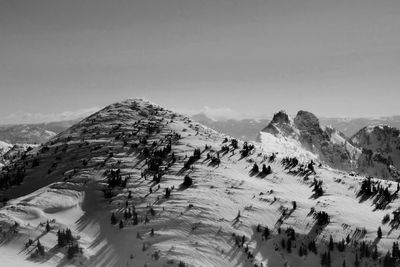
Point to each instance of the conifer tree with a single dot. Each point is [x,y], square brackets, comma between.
[255,168]
[113,219]
[289,246]
[379,232]
[331,243]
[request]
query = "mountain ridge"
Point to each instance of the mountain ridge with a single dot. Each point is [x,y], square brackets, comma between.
[141,185]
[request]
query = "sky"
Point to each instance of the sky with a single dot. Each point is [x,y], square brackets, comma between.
[64,59]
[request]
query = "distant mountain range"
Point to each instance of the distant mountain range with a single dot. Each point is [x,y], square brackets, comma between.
[33,133]
[351,126]
[248,129]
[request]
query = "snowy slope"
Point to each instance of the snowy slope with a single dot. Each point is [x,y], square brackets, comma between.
[285,147]
[198,225]
[350,126]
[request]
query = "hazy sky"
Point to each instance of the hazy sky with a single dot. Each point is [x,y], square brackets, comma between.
[332,57]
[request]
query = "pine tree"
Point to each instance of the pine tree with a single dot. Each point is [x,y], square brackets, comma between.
[72,250]
[187,182]
[266,233]
[40,248]
[292,235]
[388,261]
[395,250]
[113,219]
[312,247]
[375,253]
[300,251]
[255,168]
[329,259]
[266,170]
[341,246]
[289,246]
[60,239]
[167,192]
[356,262]
[326,259]
[283,243]
[331,243]
[379,232]
[68,236]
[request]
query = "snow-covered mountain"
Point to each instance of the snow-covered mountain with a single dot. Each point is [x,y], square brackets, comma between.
[373,151]
[249,129]
[350,126]
[302,136]
[16,139]
[4,148]
[25,134]
[33,133]
[138,185]
[380,150]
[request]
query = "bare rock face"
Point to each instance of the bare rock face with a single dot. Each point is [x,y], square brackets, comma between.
[311,134]
[306,121]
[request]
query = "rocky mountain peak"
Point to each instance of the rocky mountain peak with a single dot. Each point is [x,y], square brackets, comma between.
[305,120]
[280,117]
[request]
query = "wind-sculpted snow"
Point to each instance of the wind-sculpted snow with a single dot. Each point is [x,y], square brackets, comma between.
[118,185]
